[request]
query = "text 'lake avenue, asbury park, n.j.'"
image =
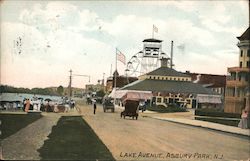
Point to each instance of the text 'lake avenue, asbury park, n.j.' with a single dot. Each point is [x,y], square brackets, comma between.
[168,155]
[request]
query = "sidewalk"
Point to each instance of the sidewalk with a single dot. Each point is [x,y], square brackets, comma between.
[189,120]
[23,144]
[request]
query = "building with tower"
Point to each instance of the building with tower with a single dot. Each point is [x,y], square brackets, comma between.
[146,60]
[238,82]
[169,86]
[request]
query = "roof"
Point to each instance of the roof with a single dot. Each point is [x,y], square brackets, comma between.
[209,79]
[165,71]
[245,35]
[152,40]
[168,86]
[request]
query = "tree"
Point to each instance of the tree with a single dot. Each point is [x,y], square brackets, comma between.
[60,90]
[100,93]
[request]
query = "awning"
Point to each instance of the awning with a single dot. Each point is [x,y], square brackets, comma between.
[117,93]
[202,98]
[131,94]
[138,95]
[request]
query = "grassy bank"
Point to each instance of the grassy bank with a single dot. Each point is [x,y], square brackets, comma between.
[73,139]
[11,123]
[215,113]
[220,121]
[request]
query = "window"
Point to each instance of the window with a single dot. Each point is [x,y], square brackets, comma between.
[150,77]
[154,77]
[248,64]
[241,64]
[158,78]
[241,53]
[248,53]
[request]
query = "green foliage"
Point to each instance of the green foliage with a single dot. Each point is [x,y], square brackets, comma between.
[215,113]
[60,90]
[163,109]
[91,89]
[100,93]
[10,89]
[42,91]
[220,121]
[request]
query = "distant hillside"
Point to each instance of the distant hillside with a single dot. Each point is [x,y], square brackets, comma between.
[43,91]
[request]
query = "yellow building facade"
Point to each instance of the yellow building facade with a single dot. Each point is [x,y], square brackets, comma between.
[238,82]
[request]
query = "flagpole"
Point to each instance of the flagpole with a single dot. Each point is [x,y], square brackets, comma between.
[115,66]
[153,32]
[115,75]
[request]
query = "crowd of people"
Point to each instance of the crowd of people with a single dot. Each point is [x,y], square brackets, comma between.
[47,105]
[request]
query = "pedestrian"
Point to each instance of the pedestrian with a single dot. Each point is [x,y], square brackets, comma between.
[27,106]
[244,119]
[24,103]
[94,102]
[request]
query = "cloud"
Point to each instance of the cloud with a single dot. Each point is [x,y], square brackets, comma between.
[59,36]
[217,62]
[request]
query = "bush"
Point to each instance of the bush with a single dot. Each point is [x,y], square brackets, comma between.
[163,109]
[215,113]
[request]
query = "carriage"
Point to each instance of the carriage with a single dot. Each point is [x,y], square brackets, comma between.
[131,109]
[88,100]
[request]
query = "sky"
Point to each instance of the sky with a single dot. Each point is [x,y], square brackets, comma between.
[42,40]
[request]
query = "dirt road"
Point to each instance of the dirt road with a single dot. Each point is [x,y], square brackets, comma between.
[151,139]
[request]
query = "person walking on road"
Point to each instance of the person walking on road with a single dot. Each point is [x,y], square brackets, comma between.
[94,102]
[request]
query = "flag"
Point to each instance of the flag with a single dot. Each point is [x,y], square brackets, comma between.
[120,56]
[155,29]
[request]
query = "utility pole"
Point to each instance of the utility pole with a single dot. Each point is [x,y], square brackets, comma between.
[111,71]
[103,82]
[103,79]
[70,83]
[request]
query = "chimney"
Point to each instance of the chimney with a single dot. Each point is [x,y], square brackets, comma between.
[171,60]
[164,62]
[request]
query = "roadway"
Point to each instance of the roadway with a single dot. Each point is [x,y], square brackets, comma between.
[152,139]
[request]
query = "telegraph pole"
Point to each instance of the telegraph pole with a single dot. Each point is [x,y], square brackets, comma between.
[103,83]
[70,83]
[103,79]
